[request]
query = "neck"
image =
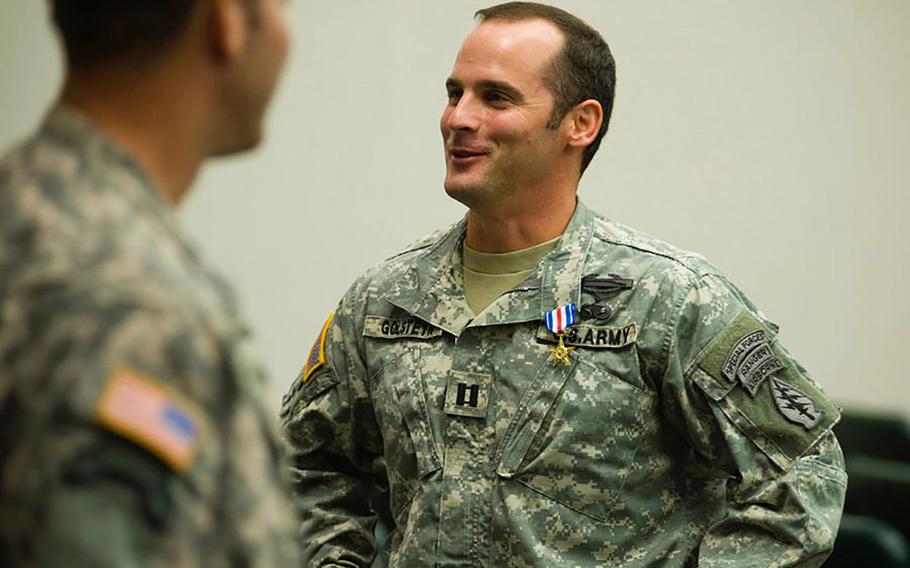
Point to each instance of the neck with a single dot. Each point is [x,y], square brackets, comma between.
[523,226]
[161,127]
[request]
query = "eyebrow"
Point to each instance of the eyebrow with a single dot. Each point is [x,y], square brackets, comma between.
[503,86]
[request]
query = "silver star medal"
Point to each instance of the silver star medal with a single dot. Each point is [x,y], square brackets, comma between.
[558,321]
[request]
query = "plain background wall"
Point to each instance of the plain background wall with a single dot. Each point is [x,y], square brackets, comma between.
[772,136]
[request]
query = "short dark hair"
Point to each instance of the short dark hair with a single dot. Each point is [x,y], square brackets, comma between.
[99,31]
[584,70]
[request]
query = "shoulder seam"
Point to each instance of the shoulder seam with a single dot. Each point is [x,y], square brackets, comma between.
[698,273]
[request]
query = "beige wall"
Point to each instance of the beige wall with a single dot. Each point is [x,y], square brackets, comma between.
[772,136]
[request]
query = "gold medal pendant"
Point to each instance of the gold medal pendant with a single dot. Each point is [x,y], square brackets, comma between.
[560,353]
[557,321]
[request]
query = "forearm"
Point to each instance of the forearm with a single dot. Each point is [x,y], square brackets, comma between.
[331,478]
[336,524]
[781,519]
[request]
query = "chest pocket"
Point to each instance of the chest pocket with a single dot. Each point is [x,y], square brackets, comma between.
[401,401]
[586,433]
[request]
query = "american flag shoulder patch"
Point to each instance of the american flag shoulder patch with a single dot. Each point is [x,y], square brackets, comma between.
[316,357]
[151,415]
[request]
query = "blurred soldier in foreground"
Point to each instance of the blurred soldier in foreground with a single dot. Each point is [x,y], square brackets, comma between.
[540,386]
[133,430]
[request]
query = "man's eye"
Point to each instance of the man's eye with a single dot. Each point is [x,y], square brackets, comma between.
[454,96]
[495,97]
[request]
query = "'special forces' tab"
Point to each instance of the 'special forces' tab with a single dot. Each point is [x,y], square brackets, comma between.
[740,350]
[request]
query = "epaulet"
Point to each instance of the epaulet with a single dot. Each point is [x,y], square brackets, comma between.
[622,235]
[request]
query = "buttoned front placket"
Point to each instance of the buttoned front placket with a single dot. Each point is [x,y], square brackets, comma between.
[464,522]
[482,446]
[433,292]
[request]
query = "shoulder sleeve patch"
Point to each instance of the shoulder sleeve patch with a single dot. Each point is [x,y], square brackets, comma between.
[762,391]
[150,414]
[316,357]
[725,356]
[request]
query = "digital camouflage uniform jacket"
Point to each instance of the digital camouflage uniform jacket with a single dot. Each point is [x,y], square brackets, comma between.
[133,432]
[680,432]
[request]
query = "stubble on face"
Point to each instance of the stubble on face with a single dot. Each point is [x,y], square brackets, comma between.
[497,141]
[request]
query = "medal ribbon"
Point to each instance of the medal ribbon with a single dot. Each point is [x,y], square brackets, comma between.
[561,318]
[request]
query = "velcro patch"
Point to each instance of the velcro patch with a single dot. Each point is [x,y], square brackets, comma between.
[316,357]
[398,328]
[742,353]
[148,413]
[592,336]
[766,414]
[468,394]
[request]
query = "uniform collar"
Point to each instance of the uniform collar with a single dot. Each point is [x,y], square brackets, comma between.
[76,131]
[432,287]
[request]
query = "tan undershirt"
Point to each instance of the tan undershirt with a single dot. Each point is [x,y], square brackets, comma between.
[488,275]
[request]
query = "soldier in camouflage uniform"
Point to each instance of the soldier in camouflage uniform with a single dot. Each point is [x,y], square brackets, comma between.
[134,431]
[666,426]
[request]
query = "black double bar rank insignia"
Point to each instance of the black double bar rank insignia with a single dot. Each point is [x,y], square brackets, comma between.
[751,361]
[467,394]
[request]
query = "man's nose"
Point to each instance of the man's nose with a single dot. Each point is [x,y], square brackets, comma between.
[464,115]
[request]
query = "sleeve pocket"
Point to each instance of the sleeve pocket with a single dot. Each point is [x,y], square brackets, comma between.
[762,419]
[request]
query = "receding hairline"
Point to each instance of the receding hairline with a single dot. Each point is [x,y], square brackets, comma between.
[481,21]
[548,67]
[584,69]
[558,49]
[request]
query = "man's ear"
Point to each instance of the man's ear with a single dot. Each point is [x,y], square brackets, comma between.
[228,28]
[584,123]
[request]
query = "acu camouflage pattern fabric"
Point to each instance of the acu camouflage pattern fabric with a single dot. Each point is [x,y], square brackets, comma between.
[96,275]
[481,452]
